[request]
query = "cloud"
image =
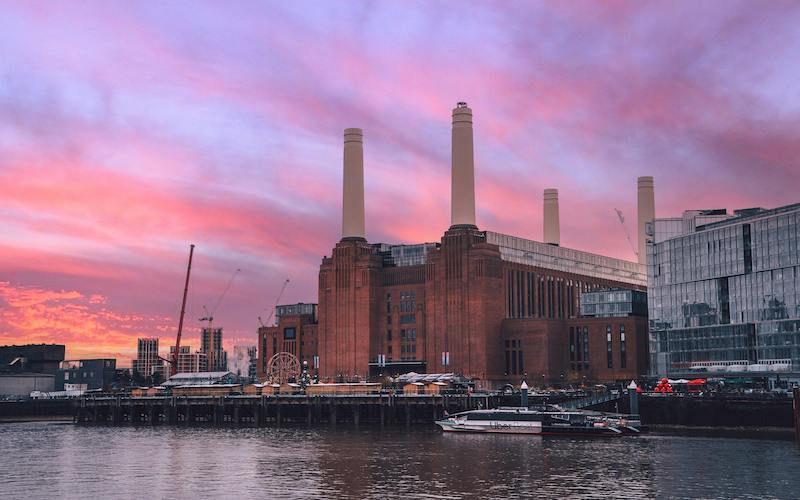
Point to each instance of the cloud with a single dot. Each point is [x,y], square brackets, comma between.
[127,132]
[84,324]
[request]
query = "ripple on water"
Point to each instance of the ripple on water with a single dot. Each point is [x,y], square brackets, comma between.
[47,460]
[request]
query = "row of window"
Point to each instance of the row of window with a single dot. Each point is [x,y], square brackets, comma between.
[515,364]
[530,295]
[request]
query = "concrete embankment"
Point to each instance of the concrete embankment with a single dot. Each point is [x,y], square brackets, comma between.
[36,409]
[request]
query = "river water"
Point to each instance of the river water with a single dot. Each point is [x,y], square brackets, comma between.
[49,460]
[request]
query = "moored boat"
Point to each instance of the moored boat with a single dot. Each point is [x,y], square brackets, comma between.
[545,420]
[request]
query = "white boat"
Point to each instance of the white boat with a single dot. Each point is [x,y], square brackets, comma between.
[550,419]
[502,420]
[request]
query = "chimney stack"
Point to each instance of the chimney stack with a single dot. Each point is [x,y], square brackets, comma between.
[462,176]
[552,232]
[645,213]
[353,185]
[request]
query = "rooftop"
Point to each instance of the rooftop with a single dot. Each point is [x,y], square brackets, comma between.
[535,253]
[750,214]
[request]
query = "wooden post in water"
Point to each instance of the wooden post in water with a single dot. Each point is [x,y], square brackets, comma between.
[796,411]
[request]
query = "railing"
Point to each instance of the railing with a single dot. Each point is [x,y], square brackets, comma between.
[594,399]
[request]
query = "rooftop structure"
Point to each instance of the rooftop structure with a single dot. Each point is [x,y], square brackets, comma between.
[200,378]
[557,258]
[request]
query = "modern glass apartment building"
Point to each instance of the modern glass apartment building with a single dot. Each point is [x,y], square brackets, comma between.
[725,296]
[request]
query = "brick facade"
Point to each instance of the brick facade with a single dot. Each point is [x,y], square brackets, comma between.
[466,301]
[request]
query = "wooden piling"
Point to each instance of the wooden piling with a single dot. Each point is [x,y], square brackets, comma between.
[796,412]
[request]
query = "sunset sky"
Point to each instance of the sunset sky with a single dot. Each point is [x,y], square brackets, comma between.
[130,129]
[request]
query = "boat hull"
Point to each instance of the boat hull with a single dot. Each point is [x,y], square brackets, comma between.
[448,426]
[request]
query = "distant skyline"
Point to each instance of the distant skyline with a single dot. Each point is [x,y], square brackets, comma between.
[130,130]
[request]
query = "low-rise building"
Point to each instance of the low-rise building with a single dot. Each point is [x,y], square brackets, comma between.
[31,358]
[295,333]
[93,373]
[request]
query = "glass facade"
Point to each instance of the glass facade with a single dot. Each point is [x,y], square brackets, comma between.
[613,303]
[726,297]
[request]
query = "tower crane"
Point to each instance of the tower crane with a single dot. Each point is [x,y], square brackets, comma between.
[278,299]
[209,317]
[621,217]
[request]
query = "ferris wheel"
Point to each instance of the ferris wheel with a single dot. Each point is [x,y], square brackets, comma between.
[283,367]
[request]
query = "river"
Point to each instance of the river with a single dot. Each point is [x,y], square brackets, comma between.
[52,460]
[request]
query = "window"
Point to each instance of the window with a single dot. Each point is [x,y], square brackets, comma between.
[571,343]
[389,335]
[623,361]
[289,333]
[609,348]
[585,347]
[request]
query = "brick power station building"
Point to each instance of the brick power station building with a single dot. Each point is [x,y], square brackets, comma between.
[492,307]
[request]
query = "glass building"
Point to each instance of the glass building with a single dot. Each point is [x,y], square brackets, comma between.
[725,296]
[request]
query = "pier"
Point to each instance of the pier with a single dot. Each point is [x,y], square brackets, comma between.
[258,411]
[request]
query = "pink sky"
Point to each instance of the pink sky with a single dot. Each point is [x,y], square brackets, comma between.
[129,131]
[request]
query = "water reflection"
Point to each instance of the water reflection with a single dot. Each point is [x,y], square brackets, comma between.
[48,460]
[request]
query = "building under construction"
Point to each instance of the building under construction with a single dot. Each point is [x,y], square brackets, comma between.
[490,306]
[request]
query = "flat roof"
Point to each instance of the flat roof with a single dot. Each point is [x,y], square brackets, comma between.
[750,216]
[558,258]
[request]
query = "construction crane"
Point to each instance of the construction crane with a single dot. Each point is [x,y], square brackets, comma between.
[627,233]
[173,369]
[278,299]
[209,317]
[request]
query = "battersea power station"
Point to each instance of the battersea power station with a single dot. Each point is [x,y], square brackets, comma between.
[492,307]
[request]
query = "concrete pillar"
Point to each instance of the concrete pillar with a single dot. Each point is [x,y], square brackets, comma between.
[278,416]
[236,417]
[151,417]
[353,185]
[552,230]
[383,415]
[333,414]
[645,212]
[634,398]
[523,390]
[356,414]
[309,413]
[408,414]
[462,175]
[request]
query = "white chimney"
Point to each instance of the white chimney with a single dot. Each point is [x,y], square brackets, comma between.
[552,231]
[645,213]
[462,177]
[353,185]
